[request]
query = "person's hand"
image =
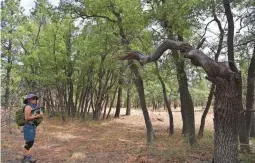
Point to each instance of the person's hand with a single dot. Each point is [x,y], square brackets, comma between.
[41,114]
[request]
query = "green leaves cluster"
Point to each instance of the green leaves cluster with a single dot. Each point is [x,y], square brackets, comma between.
[78,42]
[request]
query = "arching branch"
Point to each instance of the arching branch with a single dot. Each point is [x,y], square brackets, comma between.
[212,68]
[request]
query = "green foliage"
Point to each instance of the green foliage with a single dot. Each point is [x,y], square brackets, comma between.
[51,50]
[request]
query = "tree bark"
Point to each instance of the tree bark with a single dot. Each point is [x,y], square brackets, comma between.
[226,113]
[119,100]
[187,107]
[230,45]
[140,89]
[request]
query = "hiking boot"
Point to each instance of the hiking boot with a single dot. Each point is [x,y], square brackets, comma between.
[31,160]
[28,160]
[25,161]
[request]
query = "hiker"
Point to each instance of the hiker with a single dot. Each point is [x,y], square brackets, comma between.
[29,128]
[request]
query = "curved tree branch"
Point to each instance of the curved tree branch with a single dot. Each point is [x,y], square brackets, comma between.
[214,69]
[221,35]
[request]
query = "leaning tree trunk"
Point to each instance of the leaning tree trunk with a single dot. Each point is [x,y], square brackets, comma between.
[227,96]
[187,107]
[208,104]
[140,89]
[167,102]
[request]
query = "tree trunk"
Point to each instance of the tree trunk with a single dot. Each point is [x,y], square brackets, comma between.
[230,40]
[208,104]
[252,133]
[187,107]
[243,135]
[140,89]
[113,98]
[227,95]
[167,102]
[106,103]
[119,100]
[226,113]
[128,102]
[86,105]
[250,96]
[70,99]
[180,70]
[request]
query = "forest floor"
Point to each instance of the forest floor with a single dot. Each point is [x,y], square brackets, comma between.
[117,140]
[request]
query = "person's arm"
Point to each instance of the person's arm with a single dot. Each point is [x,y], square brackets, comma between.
[28,115]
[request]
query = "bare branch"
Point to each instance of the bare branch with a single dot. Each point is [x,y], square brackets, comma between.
[200,43]
[244,43]
[84,15]
[221,35]
[206,27]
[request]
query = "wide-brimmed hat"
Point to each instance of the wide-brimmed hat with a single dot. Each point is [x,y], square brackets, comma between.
[30,96]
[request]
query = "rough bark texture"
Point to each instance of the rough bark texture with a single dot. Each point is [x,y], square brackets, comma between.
[226,112]
[227,97]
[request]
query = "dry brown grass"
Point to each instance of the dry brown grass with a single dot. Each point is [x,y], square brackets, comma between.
[121,140]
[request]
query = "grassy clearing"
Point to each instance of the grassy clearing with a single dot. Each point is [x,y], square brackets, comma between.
[121,140]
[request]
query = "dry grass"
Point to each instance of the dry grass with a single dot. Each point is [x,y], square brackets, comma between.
[121,140]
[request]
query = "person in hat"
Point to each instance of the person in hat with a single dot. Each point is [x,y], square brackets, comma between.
[29,129]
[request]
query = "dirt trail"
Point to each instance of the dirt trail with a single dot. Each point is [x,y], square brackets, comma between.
[121,140]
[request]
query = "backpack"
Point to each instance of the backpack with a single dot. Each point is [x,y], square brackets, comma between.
[20,117]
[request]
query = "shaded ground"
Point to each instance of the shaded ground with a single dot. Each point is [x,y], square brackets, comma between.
[121,140]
